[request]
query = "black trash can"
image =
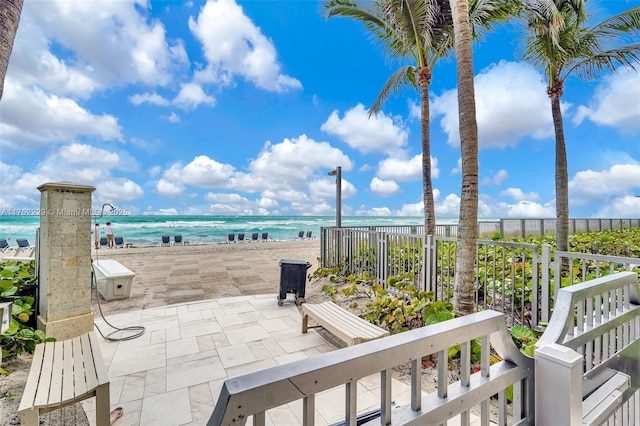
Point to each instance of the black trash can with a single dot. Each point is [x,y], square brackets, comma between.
[293,279]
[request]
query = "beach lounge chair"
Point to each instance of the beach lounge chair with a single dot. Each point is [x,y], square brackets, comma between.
[166,241]
[241,237]
[231,238]
[118,242]
[22,243]
[103,242]
[4,245]
[309,237]
[301,235]
[177,240]
[265,237]
[254,237]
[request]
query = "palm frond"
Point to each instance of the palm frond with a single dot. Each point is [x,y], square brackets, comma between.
[593,66]
[370,15]
[624,25]
[484,14]
[401,78]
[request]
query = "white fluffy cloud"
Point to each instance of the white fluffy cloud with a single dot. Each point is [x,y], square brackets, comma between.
[136,50]
[33,116]
[518,195]
[234,45]
[615,102]
[290,175]
[119,189]
[151,98]
[503,117]
[526,209]
[202,172]
[77,163]
[406,170]
[192,95]
[294,161]
[169,189]
[384,188]
[368,134]
[620,179]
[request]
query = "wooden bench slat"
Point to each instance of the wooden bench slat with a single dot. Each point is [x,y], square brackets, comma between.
[80,384]
[352,323]
[30,388]
[67,374]
[349,324]
[55,386]
[42,394]
[343,324]
[89,368]
[98,362]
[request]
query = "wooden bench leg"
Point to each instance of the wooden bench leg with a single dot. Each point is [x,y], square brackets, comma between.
[305,322]
[103,405]
[30,417]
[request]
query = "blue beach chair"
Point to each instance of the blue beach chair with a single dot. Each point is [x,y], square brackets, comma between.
[22,243]
[118,242]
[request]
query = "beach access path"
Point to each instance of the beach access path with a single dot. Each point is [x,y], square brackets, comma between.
[188,273]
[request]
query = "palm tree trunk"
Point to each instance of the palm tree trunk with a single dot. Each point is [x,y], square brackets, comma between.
[562,180]
[424,80]
[466,249]
[9,19]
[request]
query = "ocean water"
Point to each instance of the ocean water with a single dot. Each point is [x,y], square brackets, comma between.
[148,230]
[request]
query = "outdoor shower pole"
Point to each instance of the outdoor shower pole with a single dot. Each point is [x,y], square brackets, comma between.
[338,174]
[339,197]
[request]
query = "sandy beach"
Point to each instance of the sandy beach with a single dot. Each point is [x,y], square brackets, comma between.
[178,274]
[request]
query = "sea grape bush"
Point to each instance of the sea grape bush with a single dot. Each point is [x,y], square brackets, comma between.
[18,284]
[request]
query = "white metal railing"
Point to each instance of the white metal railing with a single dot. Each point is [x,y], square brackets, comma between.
[517,279]
[588,359]
[254,393]
[523,228]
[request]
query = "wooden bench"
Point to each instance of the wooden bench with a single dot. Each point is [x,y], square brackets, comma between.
[63,373]
[348,327]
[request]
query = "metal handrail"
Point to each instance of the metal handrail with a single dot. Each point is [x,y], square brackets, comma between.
[255,393]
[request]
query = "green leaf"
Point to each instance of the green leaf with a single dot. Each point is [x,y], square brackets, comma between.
[522,334]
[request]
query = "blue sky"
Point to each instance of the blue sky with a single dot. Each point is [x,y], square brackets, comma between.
[225,107]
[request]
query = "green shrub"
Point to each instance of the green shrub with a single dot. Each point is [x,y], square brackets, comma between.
[18,285]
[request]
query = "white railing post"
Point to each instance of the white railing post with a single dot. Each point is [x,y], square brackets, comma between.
[558,390]
[381,261]
[545,294]
[427,266]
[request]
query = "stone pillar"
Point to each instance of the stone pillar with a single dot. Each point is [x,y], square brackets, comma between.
[65,260]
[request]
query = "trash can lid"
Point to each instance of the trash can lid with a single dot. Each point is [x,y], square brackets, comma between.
[293,262]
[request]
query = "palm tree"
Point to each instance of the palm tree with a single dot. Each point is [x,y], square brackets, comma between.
[420,31]
[466,248]
[9,19]
[562,42]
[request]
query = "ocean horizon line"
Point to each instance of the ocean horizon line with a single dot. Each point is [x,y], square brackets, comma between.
[147,229]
